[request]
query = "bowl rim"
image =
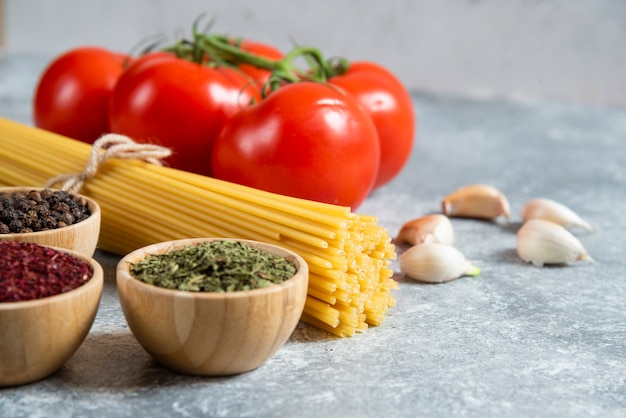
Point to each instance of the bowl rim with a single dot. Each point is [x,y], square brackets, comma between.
[94,213]
[122,270]
[96,280]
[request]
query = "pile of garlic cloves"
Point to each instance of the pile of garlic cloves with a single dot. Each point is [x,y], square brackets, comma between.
[544,238]
[431,257]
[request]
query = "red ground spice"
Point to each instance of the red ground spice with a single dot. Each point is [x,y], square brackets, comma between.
[30,271]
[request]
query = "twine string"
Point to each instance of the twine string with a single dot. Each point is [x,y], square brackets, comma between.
[106,147]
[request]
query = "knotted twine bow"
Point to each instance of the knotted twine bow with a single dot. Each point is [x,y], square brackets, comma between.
[110,146]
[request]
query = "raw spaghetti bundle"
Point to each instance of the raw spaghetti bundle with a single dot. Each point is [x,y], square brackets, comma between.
[143,203]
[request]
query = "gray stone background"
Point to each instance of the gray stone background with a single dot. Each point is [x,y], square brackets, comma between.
[572,50]
[527,95]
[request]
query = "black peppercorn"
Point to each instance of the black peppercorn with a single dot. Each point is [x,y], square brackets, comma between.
[39,211]
[49,222]
[16,225]
[10,213]
[61,207]
[35,196]
[22,205]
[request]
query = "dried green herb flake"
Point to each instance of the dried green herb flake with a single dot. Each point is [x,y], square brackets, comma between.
[214,266]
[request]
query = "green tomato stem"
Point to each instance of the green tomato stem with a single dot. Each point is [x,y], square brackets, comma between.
[221,46]
[222,50]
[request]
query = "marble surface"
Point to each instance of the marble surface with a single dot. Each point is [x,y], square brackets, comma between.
[516,341]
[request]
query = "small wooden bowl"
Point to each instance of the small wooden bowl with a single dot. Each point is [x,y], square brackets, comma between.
[81,237]
[211,334]
[38,336]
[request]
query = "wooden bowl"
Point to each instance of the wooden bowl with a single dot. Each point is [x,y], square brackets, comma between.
[81,237]
[38,336]
[211,334]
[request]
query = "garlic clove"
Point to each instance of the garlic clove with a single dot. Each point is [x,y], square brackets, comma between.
[543,242]
[550,210]
[435,263]
[476,201]
[430,228]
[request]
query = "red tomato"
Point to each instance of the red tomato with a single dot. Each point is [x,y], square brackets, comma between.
[263,50]
[73,92]
[308,140]
[182,105]
[391,108]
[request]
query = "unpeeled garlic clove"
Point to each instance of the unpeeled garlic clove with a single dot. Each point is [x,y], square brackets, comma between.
[543,242]
[435,263]
[430,228]
[550,210]
[476,201]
